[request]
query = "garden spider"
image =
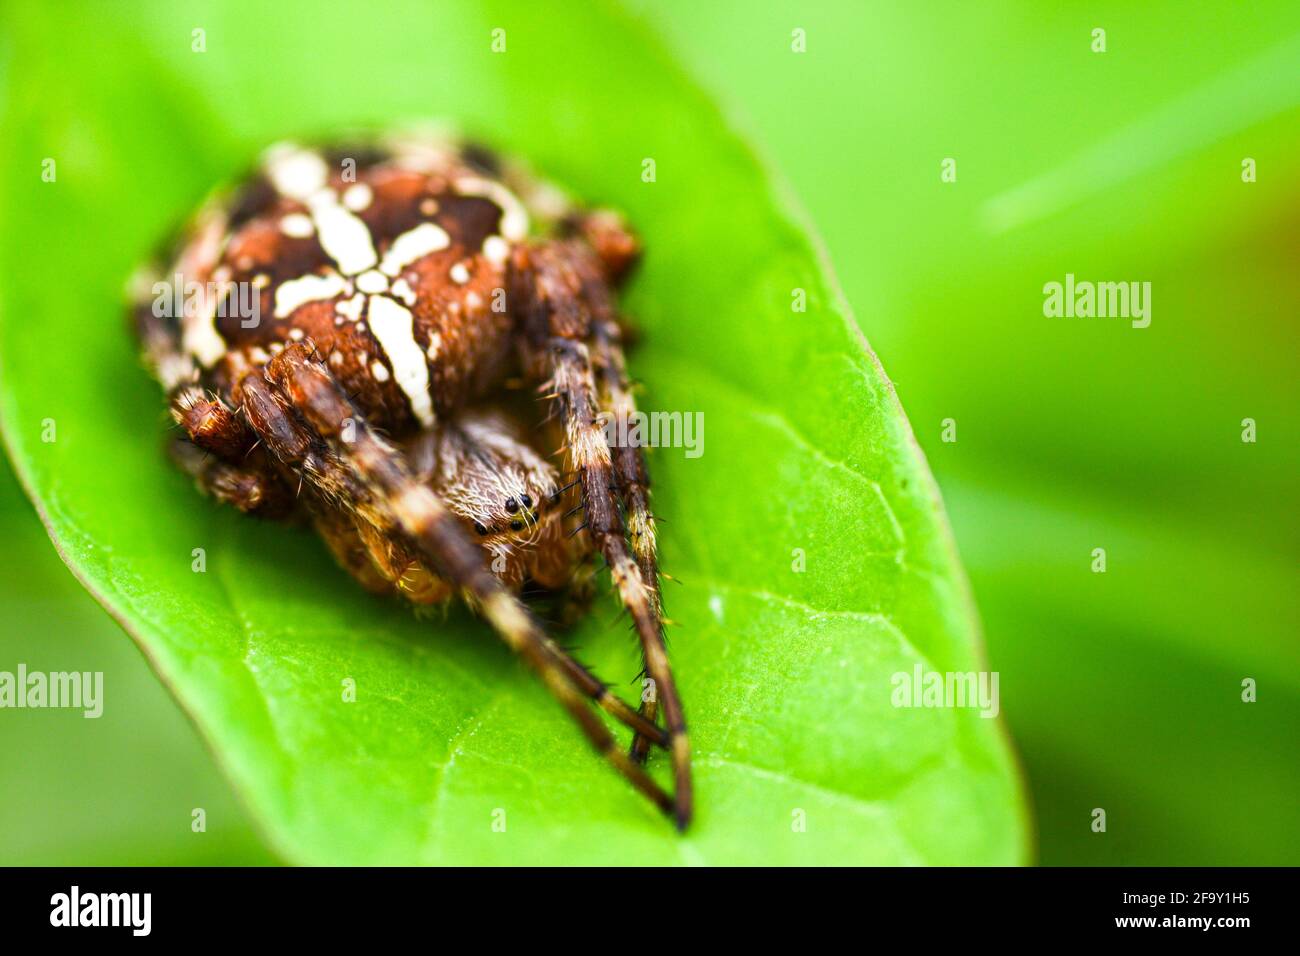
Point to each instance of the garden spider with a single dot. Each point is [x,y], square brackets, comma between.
[352,318]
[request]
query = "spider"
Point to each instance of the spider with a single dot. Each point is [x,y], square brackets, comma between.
[393,294]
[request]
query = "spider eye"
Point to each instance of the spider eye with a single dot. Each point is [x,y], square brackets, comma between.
[478,526]
[512,506]
[528,502]
[517,526]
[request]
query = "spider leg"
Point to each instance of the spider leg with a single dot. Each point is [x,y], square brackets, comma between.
[303,385]
[633,481]
[251,490]
[221,453]
[563,295]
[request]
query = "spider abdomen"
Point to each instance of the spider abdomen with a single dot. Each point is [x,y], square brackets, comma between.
[393,265]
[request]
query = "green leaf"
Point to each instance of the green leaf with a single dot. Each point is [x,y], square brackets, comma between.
[786,674]
[115,790]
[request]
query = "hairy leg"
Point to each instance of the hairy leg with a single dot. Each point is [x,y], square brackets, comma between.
[632,479]
[254,491]
[618,251]
[221,452]
[560,292]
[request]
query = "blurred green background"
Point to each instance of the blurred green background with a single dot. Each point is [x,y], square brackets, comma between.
[1122,689]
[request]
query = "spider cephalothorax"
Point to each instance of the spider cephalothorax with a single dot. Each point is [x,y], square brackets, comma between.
[350,320]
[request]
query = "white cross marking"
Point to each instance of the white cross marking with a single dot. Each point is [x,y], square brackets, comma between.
[394,326]
[302,175]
